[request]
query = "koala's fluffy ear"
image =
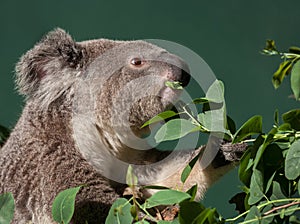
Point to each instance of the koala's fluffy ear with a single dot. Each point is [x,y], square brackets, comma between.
[56,51]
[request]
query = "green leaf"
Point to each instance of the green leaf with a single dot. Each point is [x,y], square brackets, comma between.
[247,161]
[270,48]
[294,219]
[253,215]
[7,208]
[292,117]
[63,205]
[231,125]
[214,120]
[270,182]
[119,212]
[193,192]
[273,156]
[131,178]
[260,152]
[299,186]
[174,84]
[215,92]
[256,187]
[295,80]
[160,117]
[174,129]
[244,169]
[200,100]
[277,193]
[281,72]
[166,197]
[144,222]
[250,127]
[285,127]
[292,161]
[187,170]
[206,216]
[189,211]
[294,50]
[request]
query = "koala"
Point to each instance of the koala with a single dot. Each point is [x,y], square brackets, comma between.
[81,125]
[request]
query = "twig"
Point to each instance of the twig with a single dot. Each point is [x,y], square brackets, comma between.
[281,207]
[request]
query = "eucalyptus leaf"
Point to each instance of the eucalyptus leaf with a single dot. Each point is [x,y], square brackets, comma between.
[231,125]
[281,72]
[7,207]
[64,204]
[215,92]
[273,156]
[295,80]
[250,127]
[245,170]
[270,48]
[268,140]
[214,120]
[294,50]
[200,100]
[119,212]
[294,219]
[256,187]
[193,192]
[145,222]
[160,117]
[174,84]
[253,215]
[187,170]
[292,161]
[166,197]
[131,178]
[206,216]
[189,211]
[270,182]
[277,194]
[292,117]
[174,129]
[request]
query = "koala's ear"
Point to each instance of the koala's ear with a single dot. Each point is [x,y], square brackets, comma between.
[56,51]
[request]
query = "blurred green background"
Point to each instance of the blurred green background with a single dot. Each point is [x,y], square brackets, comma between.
[228,35]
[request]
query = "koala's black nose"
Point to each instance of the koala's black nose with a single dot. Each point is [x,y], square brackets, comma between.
[185,78]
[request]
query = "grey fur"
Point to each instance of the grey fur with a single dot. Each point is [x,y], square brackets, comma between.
[58,144]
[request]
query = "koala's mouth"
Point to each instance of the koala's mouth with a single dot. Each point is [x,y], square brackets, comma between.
[169,96]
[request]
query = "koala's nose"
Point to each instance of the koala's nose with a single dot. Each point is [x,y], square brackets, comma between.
[185,78]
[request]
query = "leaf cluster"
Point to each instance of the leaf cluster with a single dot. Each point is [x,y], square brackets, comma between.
[289,66]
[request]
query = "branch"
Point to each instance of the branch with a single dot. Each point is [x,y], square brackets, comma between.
[281,207]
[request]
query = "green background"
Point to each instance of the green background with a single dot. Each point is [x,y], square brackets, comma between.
[228,35]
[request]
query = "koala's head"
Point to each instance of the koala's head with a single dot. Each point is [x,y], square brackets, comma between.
[119,84]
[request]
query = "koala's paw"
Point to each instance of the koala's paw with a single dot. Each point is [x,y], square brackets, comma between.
[228,153]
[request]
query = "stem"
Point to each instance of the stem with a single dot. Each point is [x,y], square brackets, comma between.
[281,207]
[287,55]
[146,212]
[195,120]
[263,205]
[248,140]
[268,216]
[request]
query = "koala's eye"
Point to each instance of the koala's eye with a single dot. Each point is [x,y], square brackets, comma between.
[137,62]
